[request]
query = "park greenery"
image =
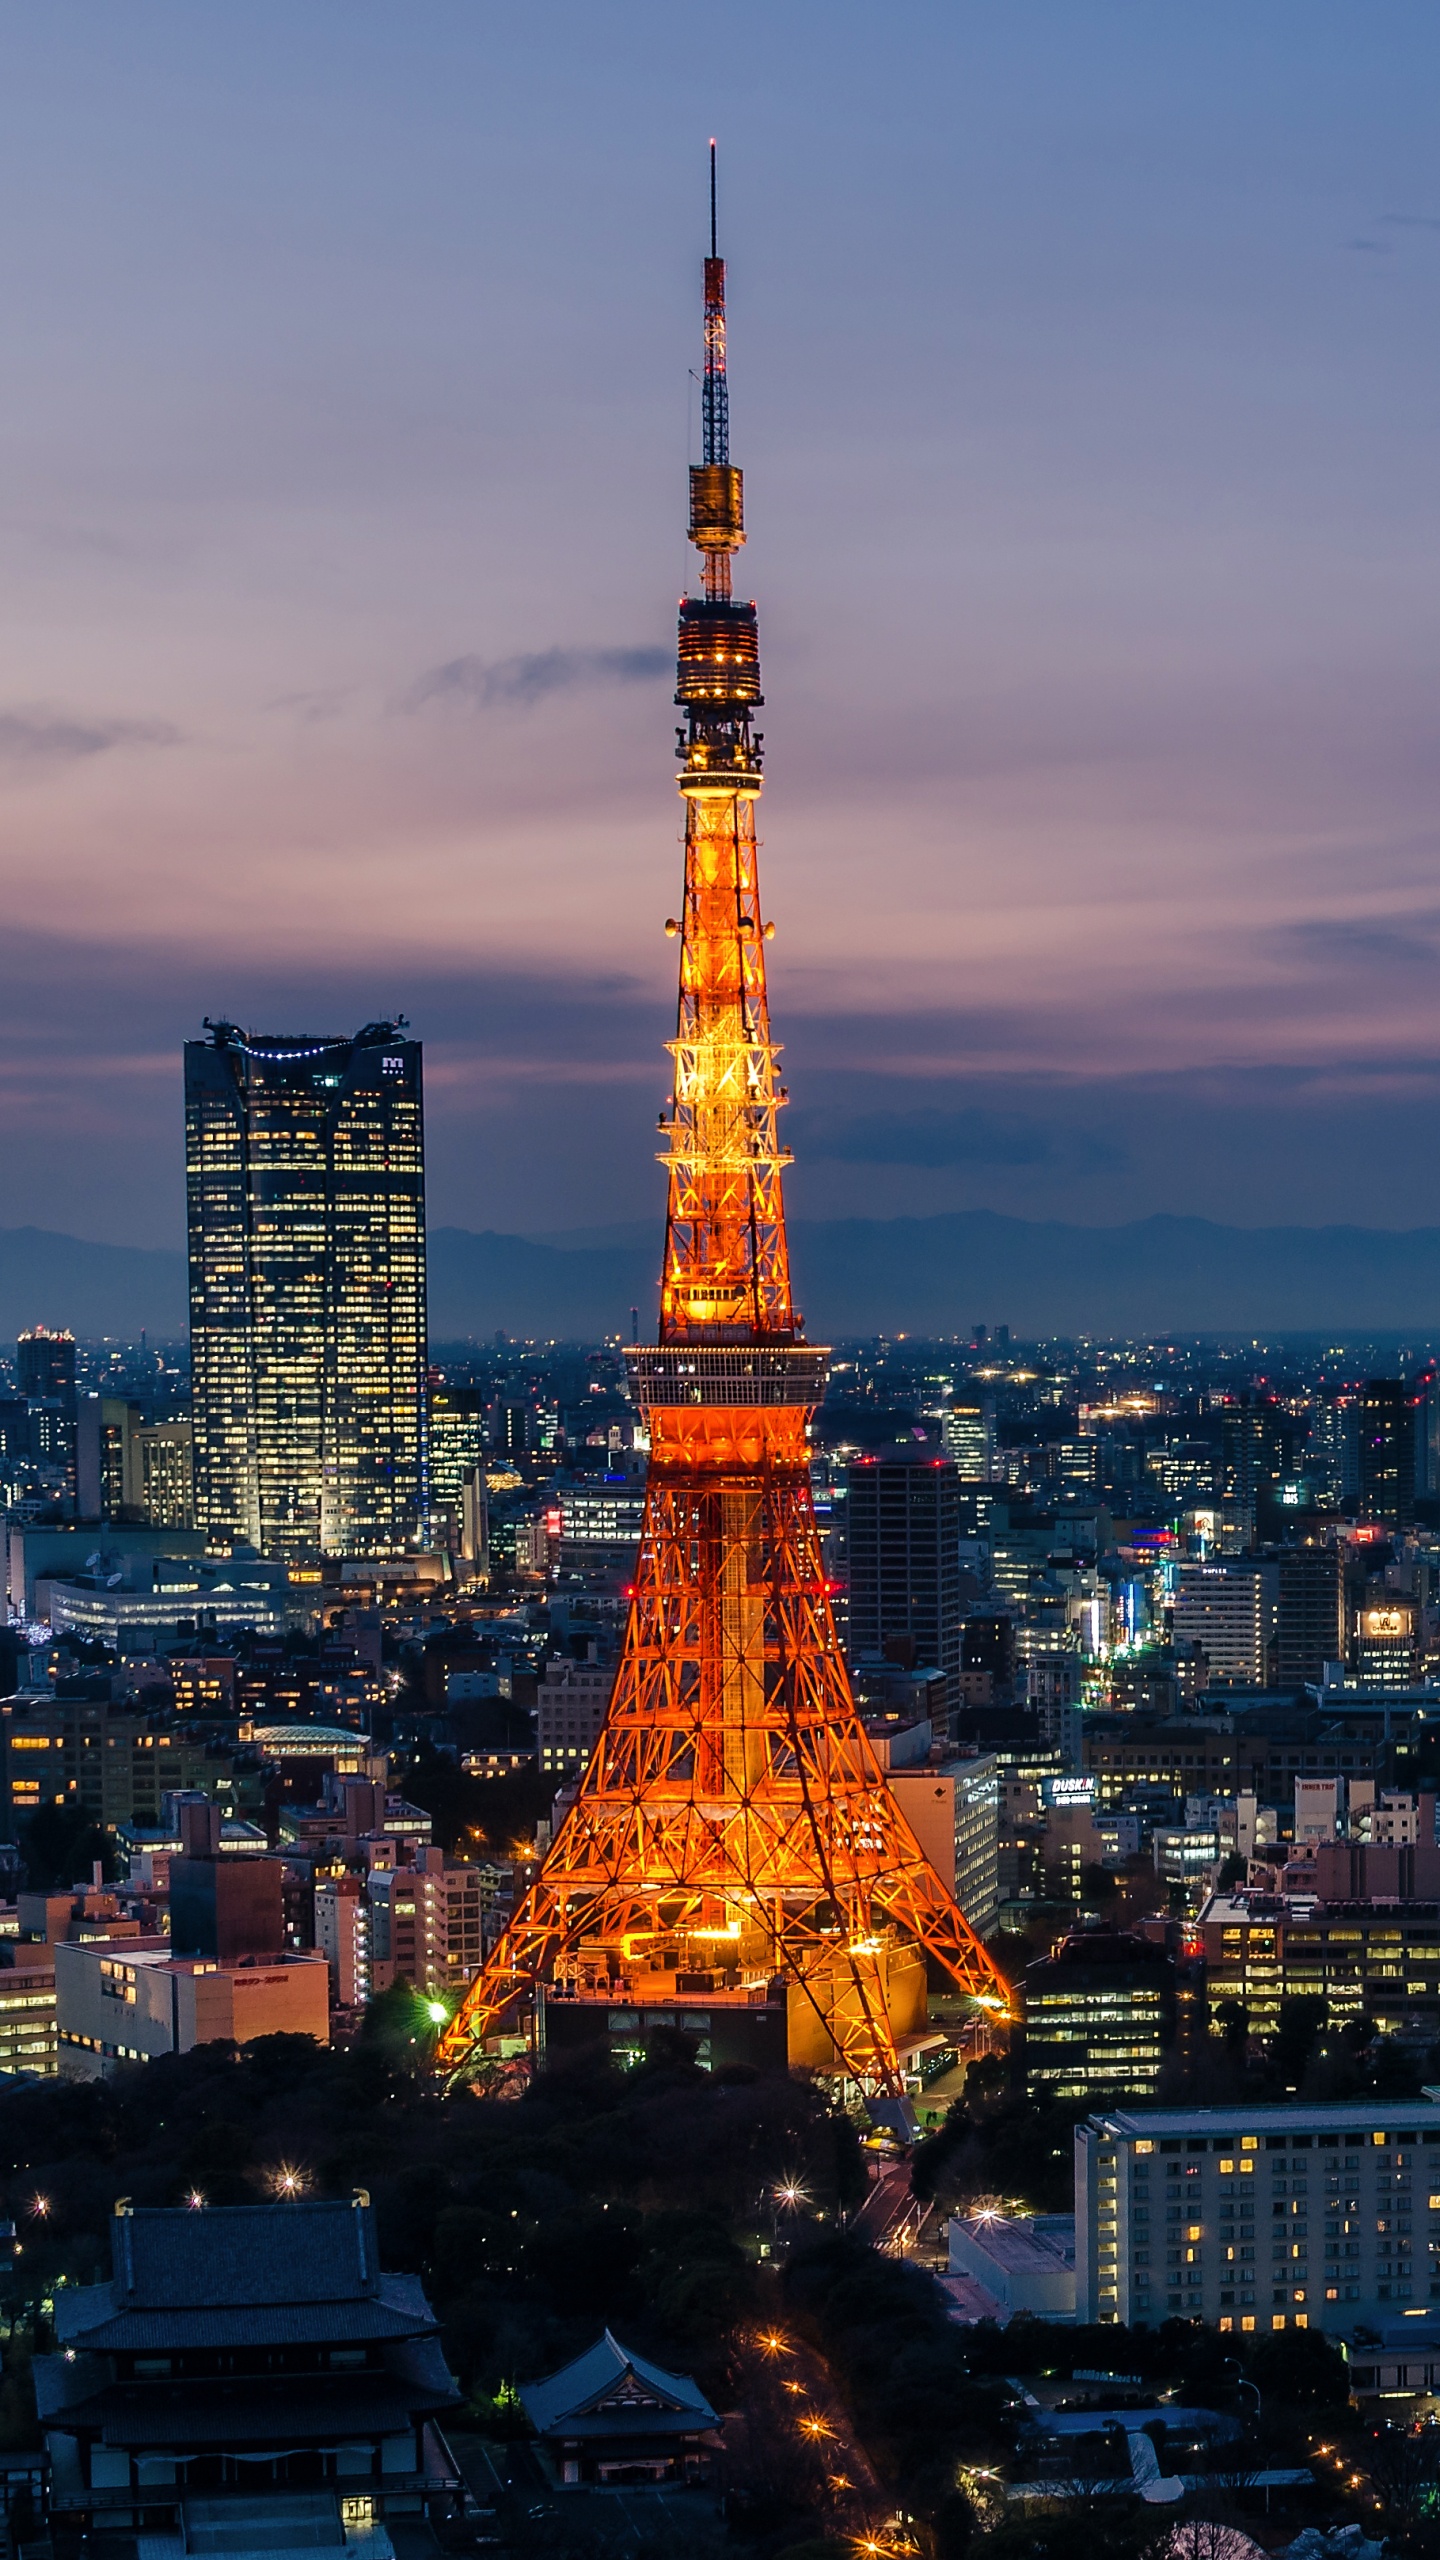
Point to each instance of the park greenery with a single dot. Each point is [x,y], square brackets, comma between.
[709,2221]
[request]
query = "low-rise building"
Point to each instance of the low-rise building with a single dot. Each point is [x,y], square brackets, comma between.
[130,2000]
[1258,2218]
[1022,2264]
[611,2416]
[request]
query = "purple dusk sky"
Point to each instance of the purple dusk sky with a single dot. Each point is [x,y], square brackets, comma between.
[1086,376]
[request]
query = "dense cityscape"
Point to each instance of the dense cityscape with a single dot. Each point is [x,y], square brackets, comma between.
[700,1940]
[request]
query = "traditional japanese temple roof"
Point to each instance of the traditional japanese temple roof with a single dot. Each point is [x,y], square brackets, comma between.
[243,2276]
[610,2392]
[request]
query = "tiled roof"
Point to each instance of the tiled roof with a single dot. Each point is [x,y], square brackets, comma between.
[87,2316]
[605,2368]
[167,2257]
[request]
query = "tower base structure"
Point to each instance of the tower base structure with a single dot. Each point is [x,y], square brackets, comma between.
[734,1860]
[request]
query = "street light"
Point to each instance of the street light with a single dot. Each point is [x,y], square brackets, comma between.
[1243,2381]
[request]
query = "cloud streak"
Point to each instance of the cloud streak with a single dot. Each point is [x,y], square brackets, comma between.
[489,684]
[34,734]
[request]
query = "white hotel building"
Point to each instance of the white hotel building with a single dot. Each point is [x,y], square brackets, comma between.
[1258,2218]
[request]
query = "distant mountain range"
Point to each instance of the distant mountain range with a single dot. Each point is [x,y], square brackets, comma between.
[854,1276]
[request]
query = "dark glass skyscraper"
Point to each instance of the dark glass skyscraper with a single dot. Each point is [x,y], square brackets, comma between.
[902,1540]
[1385,1449]
[305,1179]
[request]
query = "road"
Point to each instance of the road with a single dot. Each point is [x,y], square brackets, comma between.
[890,2219]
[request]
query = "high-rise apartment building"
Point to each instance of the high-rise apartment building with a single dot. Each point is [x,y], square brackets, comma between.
[902,1539]
[342,1934]
[427,1923]
[305,1173]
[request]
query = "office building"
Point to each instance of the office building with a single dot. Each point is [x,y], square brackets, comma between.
[903,1555]
[1256,1449]
[128,1470]
[228,1907]
[129,2000]
[143,1603]
[598,1525]
[45,1378]
[1228,1609]
[1257,2218]
[1387,1643]
[967,1434]
[1223,1755]
[27,2012]
[954,1812]
[306,1204]
[457,1443]
[1309,1614]
[108,1763]
[1099,2015]
[1361,1933]
[45,1365]
[1385,1451]
[323,2425]
[36,1553]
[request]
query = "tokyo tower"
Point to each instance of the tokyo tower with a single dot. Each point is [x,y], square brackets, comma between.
[734,1864]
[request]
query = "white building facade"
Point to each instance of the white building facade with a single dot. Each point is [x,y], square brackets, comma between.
[1258,2218]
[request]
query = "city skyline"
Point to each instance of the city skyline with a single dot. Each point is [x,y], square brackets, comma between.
[340,562]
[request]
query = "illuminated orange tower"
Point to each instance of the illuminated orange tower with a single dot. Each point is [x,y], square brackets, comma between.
[734,1861]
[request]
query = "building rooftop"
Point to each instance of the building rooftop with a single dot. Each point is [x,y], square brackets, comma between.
[1039,2244]
[242,2275]
[609,2391]
[1361,2114]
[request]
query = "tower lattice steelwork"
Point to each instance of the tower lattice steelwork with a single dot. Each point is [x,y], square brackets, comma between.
[734,1850]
